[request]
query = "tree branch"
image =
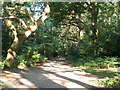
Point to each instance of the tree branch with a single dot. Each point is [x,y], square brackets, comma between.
[11,8]
[13,17]
[61,37]
[32,27]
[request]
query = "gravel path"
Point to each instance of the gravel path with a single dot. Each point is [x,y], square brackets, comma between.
[52,74]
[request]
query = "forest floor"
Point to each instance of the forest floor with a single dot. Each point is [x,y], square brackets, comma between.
[56,73]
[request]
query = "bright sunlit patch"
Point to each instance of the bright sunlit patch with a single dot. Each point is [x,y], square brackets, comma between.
[97,32]
[12,27]
[73,85]
[4,80]
[26,82]
[9,23]
[16,39]
[43,14]
[33,28]
[104,20]
[43,18]
[14,53]
[119,69]
[7,71]
[81,34]
[11,16]
[58,81]
[47,9]
[9,56]
[114,14]
[77,17]
[16,74]
[27,33]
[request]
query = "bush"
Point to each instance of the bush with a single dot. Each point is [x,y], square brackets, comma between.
[91,62]
[111,82]
[103,61]
[2,62]
[30,58]
[3,85]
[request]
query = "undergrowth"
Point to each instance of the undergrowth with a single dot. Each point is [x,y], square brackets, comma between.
[2,85]
[113,82]
[30,58]
[91,62]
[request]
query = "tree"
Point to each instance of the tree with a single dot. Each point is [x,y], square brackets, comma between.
[19,18]
[119,17]
[94,14]
[90,25]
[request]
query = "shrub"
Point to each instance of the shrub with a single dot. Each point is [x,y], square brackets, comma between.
[111,82]
[3,85]
[30,58]
[91,62]
[2,62]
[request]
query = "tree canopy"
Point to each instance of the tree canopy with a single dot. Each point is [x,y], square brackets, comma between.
[54,29]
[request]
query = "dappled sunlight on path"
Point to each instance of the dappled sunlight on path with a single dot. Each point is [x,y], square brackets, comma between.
[51,74]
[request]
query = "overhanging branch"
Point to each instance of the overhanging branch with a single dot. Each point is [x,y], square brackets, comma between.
[11,8]
[62,37]
[13,17]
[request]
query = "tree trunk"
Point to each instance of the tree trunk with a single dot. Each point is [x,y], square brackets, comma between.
[19,38]
[12,51]
[94,14]
[119,16]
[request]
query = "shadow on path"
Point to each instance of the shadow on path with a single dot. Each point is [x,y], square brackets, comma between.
[37,77]
[32,78]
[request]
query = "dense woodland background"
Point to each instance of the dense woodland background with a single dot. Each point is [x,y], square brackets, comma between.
[87,33]
[80,31]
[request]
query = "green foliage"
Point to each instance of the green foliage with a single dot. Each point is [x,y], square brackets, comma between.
[3,85]
[30,57]
[111,82]
[60,35]
[6,42]
[100,72]
[90,62]
[2,62]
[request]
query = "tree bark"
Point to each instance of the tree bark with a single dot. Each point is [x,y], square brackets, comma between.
[20,37]
[12,51]
[119,17]
[94,14]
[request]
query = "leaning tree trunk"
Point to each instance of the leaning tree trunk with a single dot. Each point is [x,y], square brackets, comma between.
[12,51]
[20,37]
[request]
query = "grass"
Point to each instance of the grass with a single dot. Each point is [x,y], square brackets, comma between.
[100,72]
[98,62]
[113,82]
[109,79]
[97,72]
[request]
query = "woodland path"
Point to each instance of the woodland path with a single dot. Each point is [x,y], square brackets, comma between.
[57,73]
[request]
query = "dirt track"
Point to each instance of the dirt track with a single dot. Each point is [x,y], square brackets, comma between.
[51,74]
